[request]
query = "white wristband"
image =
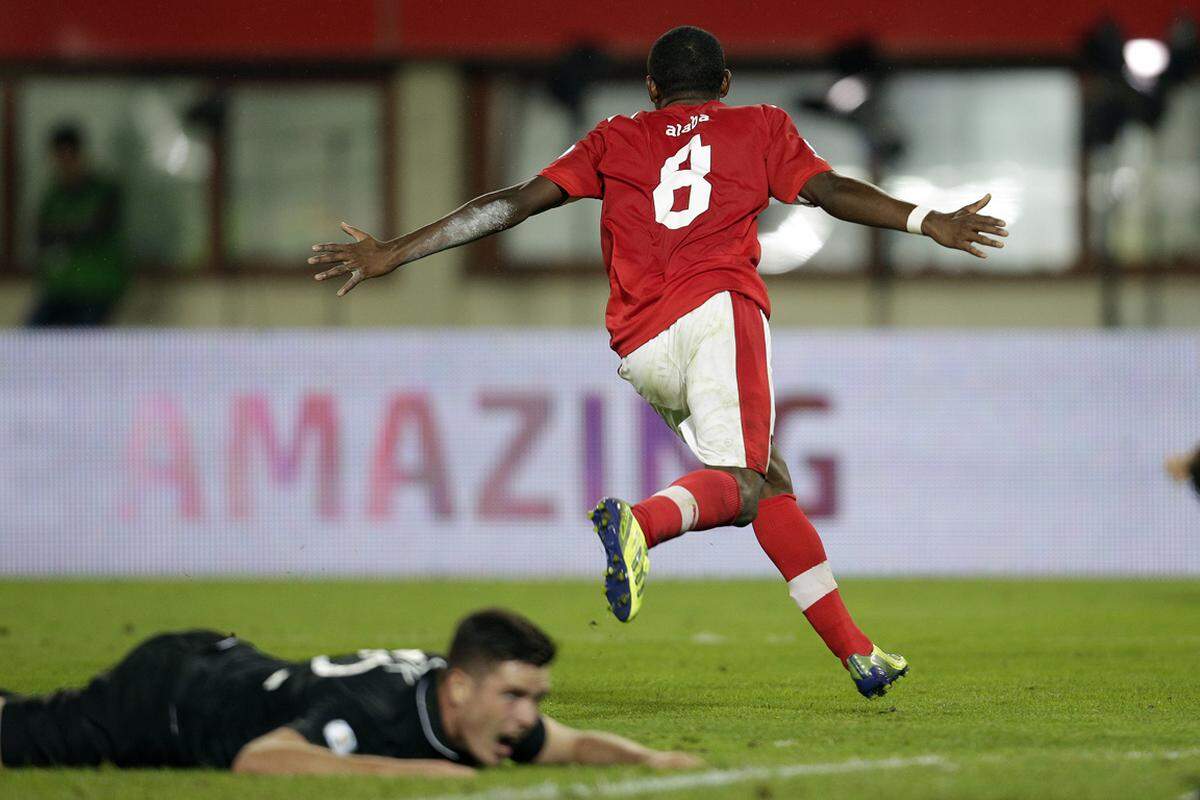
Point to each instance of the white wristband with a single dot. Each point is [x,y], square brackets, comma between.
[917,216]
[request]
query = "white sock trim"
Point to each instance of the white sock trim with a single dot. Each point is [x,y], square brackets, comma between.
[811,585]
[689,509]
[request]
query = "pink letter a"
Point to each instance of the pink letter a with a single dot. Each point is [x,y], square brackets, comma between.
[159,427]
[408,410]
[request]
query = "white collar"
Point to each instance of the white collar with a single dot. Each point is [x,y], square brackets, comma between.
[427,725]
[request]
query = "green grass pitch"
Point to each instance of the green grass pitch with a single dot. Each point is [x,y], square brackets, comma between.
[1072,689]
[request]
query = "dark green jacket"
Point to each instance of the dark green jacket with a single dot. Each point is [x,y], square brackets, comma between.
[80,256]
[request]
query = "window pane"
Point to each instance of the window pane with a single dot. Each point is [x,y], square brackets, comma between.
[1014,133]
[532,129]
[1144,190]
[134,133]
[301,159]
[797,237]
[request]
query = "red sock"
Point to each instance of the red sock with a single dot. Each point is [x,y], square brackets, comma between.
[706,498]
[790,540]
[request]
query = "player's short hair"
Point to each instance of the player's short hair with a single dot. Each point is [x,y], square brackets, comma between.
[687,59]
[66,136]
[492,635]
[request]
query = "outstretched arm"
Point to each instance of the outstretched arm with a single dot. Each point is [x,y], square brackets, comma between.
[283,751]
[366,257]
[857,201]
[565,745]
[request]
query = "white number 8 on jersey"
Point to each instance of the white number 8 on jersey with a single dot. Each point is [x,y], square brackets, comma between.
[671,177]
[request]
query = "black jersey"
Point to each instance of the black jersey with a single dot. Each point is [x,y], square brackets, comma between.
[196,698]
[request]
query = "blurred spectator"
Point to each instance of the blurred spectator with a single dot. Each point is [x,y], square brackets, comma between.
[81,269]
[1186,466]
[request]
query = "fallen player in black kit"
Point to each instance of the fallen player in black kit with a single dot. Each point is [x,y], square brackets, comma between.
[205,699]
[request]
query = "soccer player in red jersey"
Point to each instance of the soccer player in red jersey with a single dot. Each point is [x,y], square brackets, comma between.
[682,187]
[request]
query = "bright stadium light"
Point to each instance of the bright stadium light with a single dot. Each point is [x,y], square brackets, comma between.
[1145,61]
[177,155]
[848,94]
[1008,193]
[790,246]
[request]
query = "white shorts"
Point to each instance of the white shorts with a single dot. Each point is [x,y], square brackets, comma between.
[709,377]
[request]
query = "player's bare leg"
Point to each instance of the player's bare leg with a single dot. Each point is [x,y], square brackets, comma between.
[750,488]
[793,544]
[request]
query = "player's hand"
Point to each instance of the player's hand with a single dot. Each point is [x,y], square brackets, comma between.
[965,228]
[361,259]
[662,759]
[1179,467]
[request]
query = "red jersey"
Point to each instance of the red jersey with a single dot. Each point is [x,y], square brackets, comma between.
[682,189]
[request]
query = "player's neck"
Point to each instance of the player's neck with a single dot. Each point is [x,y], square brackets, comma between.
[687,100]
[450,721]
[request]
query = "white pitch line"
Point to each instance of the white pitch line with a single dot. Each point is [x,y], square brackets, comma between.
[1167,755]
[693,780]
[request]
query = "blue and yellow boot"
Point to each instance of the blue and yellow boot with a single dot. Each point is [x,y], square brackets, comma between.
[875,673]
[627,558]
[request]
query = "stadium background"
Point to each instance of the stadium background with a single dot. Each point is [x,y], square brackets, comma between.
[1004,421]
[1020,429]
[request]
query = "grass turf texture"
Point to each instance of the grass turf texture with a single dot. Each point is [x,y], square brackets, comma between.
[1021,688]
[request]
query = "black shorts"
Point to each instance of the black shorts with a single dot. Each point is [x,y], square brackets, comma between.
[124,716]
